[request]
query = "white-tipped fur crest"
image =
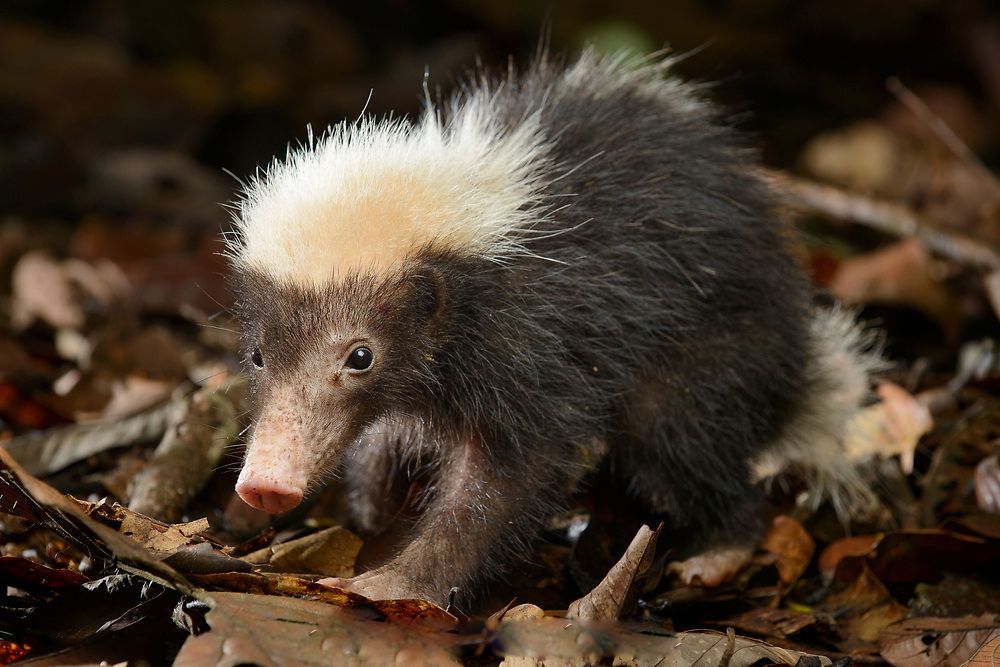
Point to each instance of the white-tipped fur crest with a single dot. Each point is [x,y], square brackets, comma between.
[368,194]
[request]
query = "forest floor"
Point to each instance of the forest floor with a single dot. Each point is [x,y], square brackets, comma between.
[120,386]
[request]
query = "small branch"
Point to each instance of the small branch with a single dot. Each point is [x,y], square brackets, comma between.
[887,217]
[954,143]
[189,453]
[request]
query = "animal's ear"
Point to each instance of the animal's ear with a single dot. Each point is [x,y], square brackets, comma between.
[430,296]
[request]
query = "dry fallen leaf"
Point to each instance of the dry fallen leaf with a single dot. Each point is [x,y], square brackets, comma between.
[863,156]
[864,608]
[940,642]
[768,622]
[856,545]
[558,641]
[789,541]
[891,427]
[902,273]
[618,590]
[46,452]
[271,630]
[61,292]
[158,537]
[331,552]
[131,395]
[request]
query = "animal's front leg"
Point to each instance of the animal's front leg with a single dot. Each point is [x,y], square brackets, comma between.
[376,479]
[479,513]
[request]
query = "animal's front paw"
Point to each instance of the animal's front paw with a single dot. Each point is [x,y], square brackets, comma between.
[378,585]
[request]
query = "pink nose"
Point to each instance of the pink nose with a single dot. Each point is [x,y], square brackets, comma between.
[268,495]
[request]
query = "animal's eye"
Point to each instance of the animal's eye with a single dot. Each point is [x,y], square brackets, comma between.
[360,359]
[257,358]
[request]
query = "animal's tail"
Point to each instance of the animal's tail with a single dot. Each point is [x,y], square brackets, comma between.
[843,359]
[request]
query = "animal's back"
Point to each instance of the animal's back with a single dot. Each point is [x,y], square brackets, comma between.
[666,279]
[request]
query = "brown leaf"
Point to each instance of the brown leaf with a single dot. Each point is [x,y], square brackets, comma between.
[331,552]
[941,642]
[768,622]
[269,630]
[713,567]
[266,583]
[158,537]
[49,451]
[55,509]
[856,545]
[129,396]
[913,556]
[891,427]
[864,608]
[557,641]
[60,293]
[793,546]
[618,591]
[27,574]
[903,273]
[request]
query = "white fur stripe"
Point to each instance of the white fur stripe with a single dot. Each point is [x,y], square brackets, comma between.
[368,194]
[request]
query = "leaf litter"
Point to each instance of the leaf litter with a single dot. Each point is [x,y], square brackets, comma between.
[120,386]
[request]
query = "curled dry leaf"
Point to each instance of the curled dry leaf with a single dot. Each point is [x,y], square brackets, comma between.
[891,427]
[618,591]
[160,537]
[789,541]
[524,612]
[941,642]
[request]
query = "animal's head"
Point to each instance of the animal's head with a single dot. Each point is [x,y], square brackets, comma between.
[323,363]
[340,262]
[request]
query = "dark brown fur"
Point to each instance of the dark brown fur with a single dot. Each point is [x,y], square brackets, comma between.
[669,327]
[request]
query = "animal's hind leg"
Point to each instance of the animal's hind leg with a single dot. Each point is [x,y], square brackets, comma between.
[676,458]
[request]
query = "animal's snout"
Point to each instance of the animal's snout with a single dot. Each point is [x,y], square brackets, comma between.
[267,493]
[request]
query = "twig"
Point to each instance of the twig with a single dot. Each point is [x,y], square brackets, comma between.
[191,448]
[884,216]
[954,143]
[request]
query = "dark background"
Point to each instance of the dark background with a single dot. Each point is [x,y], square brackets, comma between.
[125,125]
[230,83]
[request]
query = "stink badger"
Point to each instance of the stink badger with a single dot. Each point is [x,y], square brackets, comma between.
[568,264]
